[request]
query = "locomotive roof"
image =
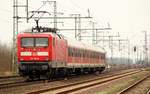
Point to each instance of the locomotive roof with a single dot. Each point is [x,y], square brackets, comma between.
[77,44]
[28,34]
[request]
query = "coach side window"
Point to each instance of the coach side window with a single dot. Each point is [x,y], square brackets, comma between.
[102,56]
[79,53]
[83,53]
[94,55]
[53,41]
[69,53]
[90,54]
[75,52]
[72,52]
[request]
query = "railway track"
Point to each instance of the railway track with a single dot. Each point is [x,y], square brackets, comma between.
[3,79]
[17,82]
[22,82]
[134,85]
[148,92]
[64,89]
[10,80]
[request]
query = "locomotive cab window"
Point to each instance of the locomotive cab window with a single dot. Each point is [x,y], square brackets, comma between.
[41,42]
[34,42]
[27,42]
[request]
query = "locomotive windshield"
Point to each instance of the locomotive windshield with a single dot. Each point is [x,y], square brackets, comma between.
[34,42]
[27,42]
[42,42]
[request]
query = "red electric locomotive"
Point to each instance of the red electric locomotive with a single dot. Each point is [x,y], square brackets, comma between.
[46,53]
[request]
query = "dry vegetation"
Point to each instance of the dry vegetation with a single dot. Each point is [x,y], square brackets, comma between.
[5,58]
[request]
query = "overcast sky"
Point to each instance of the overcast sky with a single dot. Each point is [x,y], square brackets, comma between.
[128,17]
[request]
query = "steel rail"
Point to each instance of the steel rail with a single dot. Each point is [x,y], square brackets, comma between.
[17,84]
[6,77]
[64,89]
[133,85]
[148,92]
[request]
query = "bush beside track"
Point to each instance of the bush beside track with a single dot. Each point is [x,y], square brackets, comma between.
[5,60]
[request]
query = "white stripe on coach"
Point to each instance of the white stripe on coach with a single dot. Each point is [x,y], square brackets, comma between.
[42,53]
[25,53]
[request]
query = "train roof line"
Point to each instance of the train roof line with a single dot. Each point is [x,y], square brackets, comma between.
[82,45]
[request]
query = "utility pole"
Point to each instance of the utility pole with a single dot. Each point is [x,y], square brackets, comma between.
[127,45]
[128,51]
[16,17]
[110,40]
[94,35]
[77,20]
[111,46]
[146,49]
[93,32]
[55,14]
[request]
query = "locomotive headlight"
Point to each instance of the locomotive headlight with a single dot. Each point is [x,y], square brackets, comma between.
[21,59]
[46,58]
[22,67]
[25,53]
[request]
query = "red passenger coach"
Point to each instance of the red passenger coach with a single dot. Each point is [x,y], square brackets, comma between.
[86,56]
[47,54]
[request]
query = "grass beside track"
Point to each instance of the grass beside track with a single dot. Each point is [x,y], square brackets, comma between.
[147,69]
[118,87]
[113,89]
